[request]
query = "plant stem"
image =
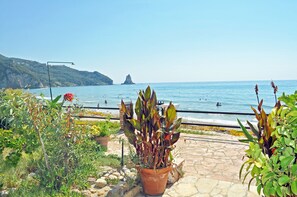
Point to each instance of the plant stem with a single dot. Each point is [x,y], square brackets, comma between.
[43,149]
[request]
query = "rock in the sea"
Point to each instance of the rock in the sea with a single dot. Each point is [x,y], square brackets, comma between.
[128,80]
[100,183]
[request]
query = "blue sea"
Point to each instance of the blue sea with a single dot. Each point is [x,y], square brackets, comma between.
[236,96]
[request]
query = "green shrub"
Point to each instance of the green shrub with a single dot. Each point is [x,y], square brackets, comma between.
[272,153]
[42,137]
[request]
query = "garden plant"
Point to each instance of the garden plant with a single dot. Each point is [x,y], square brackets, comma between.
[153,137]
[43,152]
[271,156]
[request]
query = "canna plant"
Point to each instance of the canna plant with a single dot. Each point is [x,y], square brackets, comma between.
[263,131]
[152,135]
[260,144]
[272,153]
[266,124]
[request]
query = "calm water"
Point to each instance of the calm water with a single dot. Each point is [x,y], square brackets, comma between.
[233,96]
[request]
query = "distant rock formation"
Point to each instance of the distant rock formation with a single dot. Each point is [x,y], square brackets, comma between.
[128,80]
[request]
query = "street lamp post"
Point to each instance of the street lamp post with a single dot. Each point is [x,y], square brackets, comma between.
[49,76]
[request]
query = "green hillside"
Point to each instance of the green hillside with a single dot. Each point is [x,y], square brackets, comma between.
[20,73]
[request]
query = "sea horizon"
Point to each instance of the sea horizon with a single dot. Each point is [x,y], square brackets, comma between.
[234,96]
[172,82]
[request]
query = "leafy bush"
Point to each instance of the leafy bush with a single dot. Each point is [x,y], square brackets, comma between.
[66,152]
[16,133]
[103,128]
[272,153]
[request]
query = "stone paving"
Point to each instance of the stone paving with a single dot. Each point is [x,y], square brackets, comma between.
[191,186]
[217,156]
[211,167]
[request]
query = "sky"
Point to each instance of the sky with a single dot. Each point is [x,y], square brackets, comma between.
[157,40]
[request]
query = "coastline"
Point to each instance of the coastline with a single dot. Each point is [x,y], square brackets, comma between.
[186,119]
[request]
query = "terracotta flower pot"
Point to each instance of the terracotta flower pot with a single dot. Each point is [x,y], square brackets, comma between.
[154,181]
[103,141]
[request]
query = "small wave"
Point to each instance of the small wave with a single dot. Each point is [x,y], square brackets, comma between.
[90,101]
[43,97]
[212,121]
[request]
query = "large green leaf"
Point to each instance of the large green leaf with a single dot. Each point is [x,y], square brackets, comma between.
[135,124]
[177,123]
[54,103]
[57,99]
[255,171]
[123,107]
[283,180]
[170,113]
[267,176]
[154,98]
[246,133]
[267,189]
[294,168]
[279,191]
[294,187]
[286,161]
[147,93]
[256,113]
[138,107]
[259,187]
[289,142]
[253,129]
[294,134]
[292,113]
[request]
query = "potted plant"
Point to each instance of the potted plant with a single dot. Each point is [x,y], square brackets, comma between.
[153,137]
[272,149]
[101,133]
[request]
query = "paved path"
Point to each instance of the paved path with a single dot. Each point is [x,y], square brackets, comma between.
[211,167]
[192,186]
[217,156]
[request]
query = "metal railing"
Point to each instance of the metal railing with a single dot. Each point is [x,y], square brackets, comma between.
[178,111]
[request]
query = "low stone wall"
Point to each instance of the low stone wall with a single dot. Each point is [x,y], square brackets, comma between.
[111,182]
